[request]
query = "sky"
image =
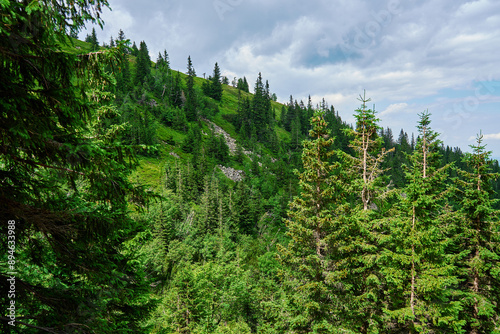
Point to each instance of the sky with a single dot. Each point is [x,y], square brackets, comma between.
[408,55]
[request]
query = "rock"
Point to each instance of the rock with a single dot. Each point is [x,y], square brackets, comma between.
[231,173]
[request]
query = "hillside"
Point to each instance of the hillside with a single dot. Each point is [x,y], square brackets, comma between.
[138,198]
[227,180]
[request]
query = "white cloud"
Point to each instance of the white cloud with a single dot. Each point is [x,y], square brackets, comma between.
[491,136]
[420,56]
[395,108]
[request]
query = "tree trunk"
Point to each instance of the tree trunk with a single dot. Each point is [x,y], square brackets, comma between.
[412,293]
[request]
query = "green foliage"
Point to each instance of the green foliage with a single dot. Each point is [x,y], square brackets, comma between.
[243,85]
[193,140]
[143,64]
[479,242]
[213,87]
[312,225]
[368,158]
[92,40]
[349,254]
[65,177]
[191,104]
[423,280]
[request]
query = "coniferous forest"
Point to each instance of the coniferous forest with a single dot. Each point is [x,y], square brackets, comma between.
[137,198]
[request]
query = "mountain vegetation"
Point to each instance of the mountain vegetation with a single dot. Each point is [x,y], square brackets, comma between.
[138,198]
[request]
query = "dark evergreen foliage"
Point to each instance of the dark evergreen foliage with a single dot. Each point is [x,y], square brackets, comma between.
[143,64]
[190,106]
[213,87]
[65,178]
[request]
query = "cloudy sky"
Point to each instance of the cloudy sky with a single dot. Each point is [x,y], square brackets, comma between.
[409,55]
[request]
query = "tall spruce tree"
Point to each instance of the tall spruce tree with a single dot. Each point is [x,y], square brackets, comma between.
[367,146]
[190,106]
[215,85]
[261,109]
[480,243]
[312,252]
[92,40]
[143,64]
[421,276]
[363,279]
[123,76]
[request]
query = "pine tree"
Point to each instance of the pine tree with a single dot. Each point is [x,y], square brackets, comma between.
[480,241]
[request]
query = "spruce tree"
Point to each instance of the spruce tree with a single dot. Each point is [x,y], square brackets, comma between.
[420,274]
[260,111]
[241,212]
[312,252]
[143,64]
[59,157]
[216,84]
[123,77]
[92,40]
[367,146]
[134,50]
[363,279]
[190,105]
[479,241]
[121,36]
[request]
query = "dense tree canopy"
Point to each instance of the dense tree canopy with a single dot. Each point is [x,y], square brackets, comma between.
[267,218]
